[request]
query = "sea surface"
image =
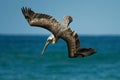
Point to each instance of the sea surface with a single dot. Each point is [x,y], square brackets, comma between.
[20,59]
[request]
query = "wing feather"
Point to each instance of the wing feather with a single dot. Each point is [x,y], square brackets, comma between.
[72,41]
[41,20]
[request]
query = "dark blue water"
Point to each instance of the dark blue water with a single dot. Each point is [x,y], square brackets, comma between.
[20,59]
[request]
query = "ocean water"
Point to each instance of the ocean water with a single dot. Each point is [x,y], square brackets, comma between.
[20,59]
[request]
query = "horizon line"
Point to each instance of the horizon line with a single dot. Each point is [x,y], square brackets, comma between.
[50,34]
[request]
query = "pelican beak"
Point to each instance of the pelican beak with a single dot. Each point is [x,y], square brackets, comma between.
[45,46]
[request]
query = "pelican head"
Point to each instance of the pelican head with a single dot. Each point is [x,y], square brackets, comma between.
[51,39]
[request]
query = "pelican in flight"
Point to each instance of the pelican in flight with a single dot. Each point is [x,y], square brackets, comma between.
[58,30]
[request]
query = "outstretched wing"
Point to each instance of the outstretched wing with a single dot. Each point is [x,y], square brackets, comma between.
[72,41]
[41,20]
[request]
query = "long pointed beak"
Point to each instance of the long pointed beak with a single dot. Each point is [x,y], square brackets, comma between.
[45,46]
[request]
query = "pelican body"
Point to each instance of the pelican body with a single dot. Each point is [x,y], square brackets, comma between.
[58,30]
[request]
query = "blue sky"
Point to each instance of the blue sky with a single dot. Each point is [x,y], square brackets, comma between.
[90,17]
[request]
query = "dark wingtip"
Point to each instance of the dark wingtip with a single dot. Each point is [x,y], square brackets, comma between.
[85,52]
[92,50]
[27,12]
[23,9]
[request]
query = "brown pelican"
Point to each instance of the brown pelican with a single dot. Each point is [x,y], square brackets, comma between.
[58,30]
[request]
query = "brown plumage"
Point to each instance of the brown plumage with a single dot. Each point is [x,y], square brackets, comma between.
[59,30]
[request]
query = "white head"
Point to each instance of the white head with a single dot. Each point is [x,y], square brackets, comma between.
[51,39]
